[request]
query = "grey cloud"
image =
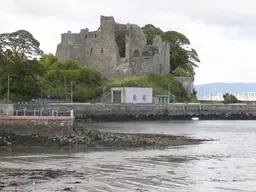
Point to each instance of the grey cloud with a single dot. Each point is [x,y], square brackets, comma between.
[218,11]
[243,26]
[229,13]
[66,10]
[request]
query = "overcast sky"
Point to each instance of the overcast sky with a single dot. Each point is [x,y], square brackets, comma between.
[222,31]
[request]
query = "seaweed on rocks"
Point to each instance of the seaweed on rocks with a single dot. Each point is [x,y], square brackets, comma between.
[94,138]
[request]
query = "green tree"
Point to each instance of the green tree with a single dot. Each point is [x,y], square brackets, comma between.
[47,60]
[180,72]
[19,45]
[181,55]
[24,84]
[73,71]
[19,51]
[151,32]
[85,80]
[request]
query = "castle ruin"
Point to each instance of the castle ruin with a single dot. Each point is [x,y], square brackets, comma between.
[115,50]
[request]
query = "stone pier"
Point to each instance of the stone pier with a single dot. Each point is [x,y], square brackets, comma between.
[46,126]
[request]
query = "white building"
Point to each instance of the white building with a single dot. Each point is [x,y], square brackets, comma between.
[132,95]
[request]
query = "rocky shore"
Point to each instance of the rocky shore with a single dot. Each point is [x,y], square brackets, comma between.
[13,179]
[93,138]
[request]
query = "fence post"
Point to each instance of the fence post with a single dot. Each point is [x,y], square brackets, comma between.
[72,113]
[41,112]
[24,112]
[17,113]
[34,112]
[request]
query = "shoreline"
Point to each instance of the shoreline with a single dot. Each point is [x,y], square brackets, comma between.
[95,139]
[129,118]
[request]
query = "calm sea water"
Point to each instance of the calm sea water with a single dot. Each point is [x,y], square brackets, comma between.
[227,164]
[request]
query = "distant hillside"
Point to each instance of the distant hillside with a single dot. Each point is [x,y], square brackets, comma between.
[224,88]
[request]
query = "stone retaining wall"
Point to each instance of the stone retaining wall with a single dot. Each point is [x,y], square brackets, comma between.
[6,109]
[122,112]
[42,126]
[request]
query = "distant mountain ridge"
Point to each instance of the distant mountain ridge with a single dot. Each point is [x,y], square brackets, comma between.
[212,88]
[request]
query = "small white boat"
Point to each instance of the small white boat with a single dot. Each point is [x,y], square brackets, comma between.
[195,118]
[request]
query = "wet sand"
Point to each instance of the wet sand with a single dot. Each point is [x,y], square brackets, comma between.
[116,170]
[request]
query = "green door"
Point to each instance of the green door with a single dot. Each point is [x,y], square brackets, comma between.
[117,96]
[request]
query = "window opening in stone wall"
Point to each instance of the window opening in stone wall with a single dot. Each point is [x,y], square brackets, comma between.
[85,36]
[91,50]
[136,53]
[144,97]
[134,97]
[101,50]
[120,40]
[95,35]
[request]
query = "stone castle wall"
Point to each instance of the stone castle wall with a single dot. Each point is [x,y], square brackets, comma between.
[115,50]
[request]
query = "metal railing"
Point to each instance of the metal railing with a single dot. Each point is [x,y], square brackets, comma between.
[40,112]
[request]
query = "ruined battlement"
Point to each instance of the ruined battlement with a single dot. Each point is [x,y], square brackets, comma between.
[115,49]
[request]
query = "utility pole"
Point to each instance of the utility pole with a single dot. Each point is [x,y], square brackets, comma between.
[168,93]
[71,92]
[65,84]
[8,89]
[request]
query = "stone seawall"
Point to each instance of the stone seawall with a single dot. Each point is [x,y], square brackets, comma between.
[123,112]
[42,126]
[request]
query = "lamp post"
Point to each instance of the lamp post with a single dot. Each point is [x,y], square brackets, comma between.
[65,84]
[168,93]
[71,92]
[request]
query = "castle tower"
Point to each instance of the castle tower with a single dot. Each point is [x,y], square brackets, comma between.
[107,27]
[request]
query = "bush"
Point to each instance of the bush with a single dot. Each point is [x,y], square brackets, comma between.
[80,75]
[90,76]
[56,92]
[229,98]
[180,72]
[83,94]
[87,82]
